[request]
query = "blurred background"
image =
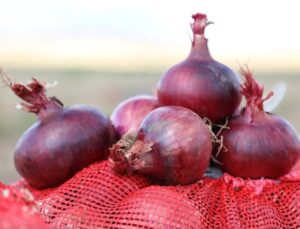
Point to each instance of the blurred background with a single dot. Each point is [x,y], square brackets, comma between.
[101,52]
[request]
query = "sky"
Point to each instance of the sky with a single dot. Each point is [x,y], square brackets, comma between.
[133,35]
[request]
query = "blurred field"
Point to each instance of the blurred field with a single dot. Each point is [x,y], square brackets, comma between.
[104,90]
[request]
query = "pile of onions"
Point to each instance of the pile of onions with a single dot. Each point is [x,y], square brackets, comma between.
[163,138]
[129,114]
[256,143]
[62,141]
[173,146]
[200,83]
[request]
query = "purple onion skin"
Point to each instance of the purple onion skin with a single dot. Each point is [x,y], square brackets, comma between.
[207,87]
[129,114]
[55,148]
[268,146]
[178,147]
[257,143]
[200,83]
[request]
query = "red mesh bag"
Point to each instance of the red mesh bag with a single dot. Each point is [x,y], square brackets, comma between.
[98,198]
[18,209]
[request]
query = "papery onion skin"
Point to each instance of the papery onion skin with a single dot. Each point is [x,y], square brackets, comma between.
[200,83]
[256,143]
[62,141]
[129,114]
[173,146]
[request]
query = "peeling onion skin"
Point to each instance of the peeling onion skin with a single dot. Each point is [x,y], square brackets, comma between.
[173,146]
[200,83]
[129,114]
[258,144]
[62,141]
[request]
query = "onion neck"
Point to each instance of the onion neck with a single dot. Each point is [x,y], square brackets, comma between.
[199,49]
[52,107]
[35,98]
[251,113]
[125,155]
[253,93]
[118,157]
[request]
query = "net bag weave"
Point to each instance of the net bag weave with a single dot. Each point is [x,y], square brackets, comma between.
[98,198]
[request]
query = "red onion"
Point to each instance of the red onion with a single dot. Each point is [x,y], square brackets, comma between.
[62,141]
[200,83]
[257,143]
[128,115]
[173,146]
